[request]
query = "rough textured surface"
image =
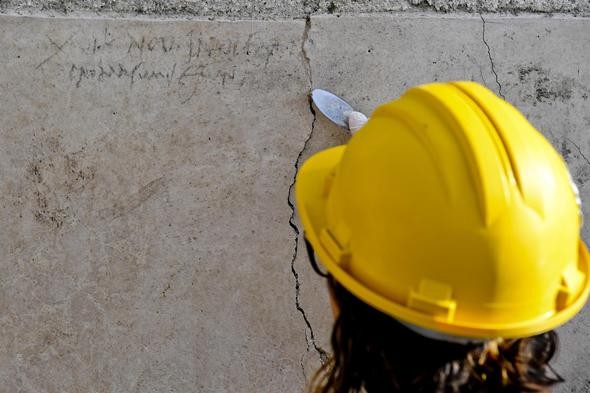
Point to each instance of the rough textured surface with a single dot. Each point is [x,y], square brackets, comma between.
[261,9]
[148,241]
[143,205]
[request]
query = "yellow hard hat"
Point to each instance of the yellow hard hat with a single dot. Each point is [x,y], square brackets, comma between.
[450,212]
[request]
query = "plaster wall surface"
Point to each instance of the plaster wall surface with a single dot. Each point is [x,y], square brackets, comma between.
[149,242]
[144,218]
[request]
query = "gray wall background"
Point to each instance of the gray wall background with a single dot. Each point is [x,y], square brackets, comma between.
[147,163]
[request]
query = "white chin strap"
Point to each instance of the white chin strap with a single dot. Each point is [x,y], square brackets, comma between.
[442,336]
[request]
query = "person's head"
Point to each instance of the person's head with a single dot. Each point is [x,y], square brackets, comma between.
[375,353]
[450,230]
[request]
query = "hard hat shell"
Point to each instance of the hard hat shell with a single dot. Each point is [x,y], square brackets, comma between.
[450,212]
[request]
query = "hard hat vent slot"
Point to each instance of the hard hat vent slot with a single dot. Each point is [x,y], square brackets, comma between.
[571,283]
[335,250]
[433,298]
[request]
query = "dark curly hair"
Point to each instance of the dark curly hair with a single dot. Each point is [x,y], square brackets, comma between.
[374,353]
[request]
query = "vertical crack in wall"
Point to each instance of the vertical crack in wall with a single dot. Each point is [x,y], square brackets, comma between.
[311,340]
[578,149]
[483,36]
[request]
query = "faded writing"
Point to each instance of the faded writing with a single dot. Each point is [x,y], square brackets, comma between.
[184,63]
[137,72]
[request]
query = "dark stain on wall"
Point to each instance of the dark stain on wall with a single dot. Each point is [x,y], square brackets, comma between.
[546,87]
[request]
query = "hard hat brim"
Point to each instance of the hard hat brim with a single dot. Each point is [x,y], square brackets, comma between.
[311,198]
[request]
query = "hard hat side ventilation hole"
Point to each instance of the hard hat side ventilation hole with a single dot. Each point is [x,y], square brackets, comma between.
[571,283]
[339,254]
[433,298]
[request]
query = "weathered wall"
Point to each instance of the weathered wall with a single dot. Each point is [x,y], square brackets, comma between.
[289,8]
[145,171]
[144,218]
